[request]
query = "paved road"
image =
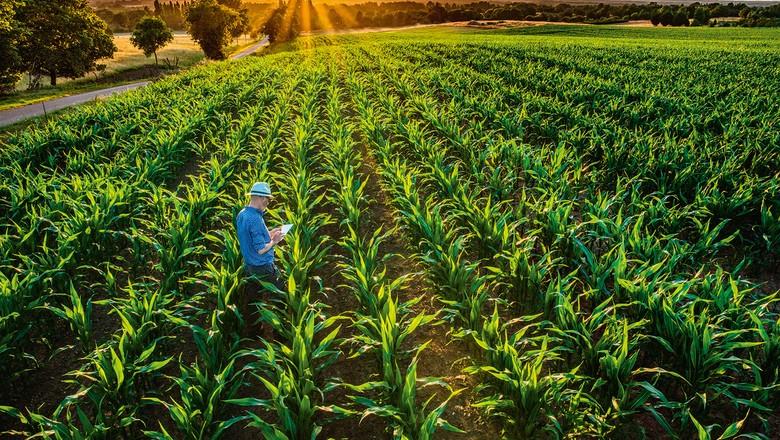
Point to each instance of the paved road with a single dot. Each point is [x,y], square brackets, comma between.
[11,116]
[14,115]
[251,49]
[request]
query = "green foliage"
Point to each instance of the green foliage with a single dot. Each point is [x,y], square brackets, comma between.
[78,316]
[63,38]
[11,33]
[213,25]
[150,35]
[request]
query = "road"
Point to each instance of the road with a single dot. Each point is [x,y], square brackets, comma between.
[14,115]
[251,49]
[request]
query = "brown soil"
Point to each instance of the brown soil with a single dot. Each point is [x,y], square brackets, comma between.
[444,357]
[769,279]
[352,371]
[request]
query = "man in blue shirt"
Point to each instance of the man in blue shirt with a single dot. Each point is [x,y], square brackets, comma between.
[257,243]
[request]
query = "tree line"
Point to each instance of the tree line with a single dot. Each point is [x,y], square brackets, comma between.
[121,19]
[404,13]
[173,13]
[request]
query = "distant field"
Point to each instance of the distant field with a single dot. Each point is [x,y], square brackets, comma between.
[547,232]
[127,56]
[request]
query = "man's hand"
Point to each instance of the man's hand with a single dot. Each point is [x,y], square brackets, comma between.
[276,235]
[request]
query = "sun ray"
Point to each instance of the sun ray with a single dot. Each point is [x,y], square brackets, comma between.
[306,14]
[321,18]
[287,20]
[346,16]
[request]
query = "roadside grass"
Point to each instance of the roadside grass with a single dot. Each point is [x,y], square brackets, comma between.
[32,123]
[74,88]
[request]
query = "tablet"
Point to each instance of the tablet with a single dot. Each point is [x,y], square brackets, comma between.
[286,228]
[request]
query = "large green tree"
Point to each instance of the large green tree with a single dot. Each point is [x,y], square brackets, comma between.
[11,32]
[242,26]
[214,23]
[65,38]
[150,35]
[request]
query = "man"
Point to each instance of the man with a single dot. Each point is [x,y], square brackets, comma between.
[257,244]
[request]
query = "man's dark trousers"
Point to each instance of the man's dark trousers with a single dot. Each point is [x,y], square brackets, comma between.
[255,291]
[267,272]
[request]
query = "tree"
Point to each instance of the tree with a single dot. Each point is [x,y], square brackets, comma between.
[436,12]
[666,16]
[655,17]
[701,16]
[243,16]
[680,18]
[11,32]
[335,19]
[283,25]
[212,25]
[65,38]
[150,35]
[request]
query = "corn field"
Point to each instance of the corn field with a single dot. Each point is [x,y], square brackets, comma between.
[552,232]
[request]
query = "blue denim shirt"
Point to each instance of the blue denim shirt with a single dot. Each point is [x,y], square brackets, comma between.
[253,235]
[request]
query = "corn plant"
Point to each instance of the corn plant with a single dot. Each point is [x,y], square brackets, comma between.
[78,316]
[410,420]
[768,332]
[203,387]
[365,270]
[770,229]
[528,398]
[522,273]
[587,335]
[290,373]
[385,332]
